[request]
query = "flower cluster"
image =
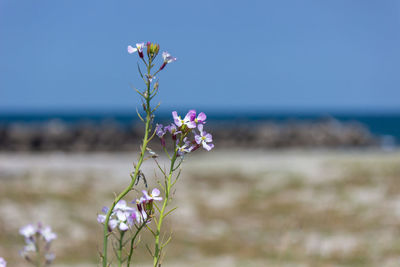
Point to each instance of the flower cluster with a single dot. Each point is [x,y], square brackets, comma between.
[38,240]
[152,52]
[180,130]
[124,217]
[3,263]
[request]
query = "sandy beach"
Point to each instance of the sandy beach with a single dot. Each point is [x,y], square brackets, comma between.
[235,208]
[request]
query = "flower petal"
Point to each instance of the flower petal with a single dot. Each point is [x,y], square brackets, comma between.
[208,138]
[206,146]
[201,117]
[176,119]
[131,49]
[27,231]
[123,226]
[191,124]
[121,215]
[113,223]
[101,218]
[197,138]
[155,192]
[104,209]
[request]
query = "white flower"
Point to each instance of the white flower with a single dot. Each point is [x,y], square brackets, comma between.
[47,234]
[3,263]
[28,231]
[139,48]
[168,58]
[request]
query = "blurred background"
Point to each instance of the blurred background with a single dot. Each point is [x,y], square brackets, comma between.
[302,99]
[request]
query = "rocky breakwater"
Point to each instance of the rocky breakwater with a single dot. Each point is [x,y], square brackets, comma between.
[110,135]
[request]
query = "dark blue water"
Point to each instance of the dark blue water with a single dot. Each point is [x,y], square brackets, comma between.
[378,124]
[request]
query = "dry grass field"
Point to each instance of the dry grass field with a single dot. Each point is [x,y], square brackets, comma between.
[235,208]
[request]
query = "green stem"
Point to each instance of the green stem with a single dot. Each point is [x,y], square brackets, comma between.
[38,255]
[157,251]
[133,243]
[119,255]
[136,173]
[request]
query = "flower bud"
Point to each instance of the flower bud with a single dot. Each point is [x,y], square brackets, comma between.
[163,65]
[149,207]
[152,50]
[148,48]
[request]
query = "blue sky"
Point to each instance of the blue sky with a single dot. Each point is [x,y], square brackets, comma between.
[232,55]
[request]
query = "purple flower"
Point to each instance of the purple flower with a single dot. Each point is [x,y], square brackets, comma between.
[139,49]
[33,238]
[121,216]
[203,138]
[145,205]
[167,59]
[154,195]
[172,130]
[201,118]
[101,218]
[182,150]
[3,263]
[160,130]
[47,234]
[27,231]
[185,148]
[188,120]
[134,217]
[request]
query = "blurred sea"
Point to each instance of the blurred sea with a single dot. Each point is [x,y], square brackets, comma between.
[378,124]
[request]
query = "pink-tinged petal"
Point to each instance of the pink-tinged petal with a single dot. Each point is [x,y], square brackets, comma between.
[208,138]
[157,198]
[207,146]
[131,49]
[202,117]
[197,138]
[132,218]
[200,127]
[155,192]
[191,124]
[146,195]
[113,223]
[123,226]
[191,115]
[101,218]
[176,119]
[143,200]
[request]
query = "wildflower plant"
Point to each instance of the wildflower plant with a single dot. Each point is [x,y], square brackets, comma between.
[122,223]
[38,240]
